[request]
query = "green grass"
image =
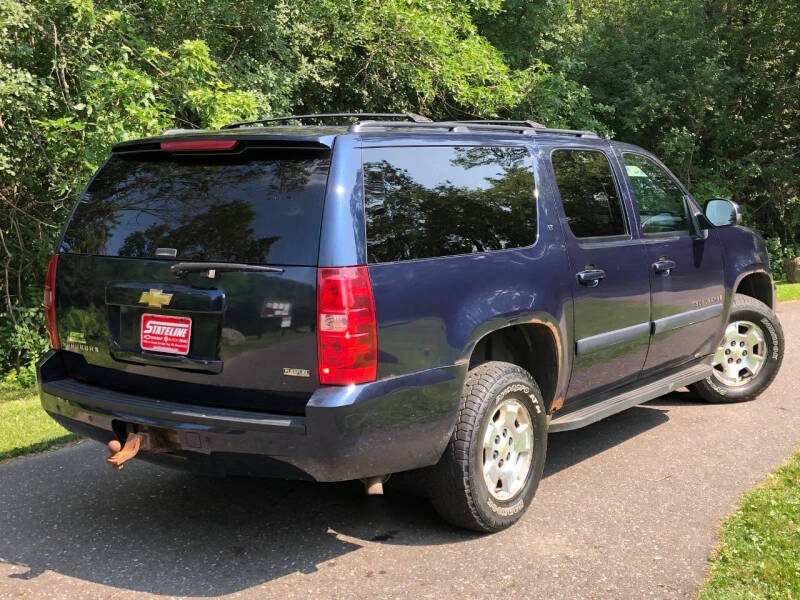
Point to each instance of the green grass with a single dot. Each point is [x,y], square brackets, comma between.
[759,551]
[788,291]
[25,427]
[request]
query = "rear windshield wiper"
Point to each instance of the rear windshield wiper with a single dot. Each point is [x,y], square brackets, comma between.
[211,268]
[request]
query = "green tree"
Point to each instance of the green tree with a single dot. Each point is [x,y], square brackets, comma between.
[710,86]
[78,75]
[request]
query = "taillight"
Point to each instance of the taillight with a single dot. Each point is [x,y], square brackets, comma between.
[50,302]
[347,337]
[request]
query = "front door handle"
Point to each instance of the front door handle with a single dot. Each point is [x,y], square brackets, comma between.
[664,265]
[591,277]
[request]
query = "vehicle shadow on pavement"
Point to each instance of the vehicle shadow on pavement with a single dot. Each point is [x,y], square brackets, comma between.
[154,530]
[568,448]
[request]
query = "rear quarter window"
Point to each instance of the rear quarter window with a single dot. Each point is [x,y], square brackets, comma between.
[263,206]
[423,202]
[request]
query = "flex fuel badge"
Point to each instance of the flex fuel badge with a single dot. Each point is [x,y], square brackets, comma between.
[76,342]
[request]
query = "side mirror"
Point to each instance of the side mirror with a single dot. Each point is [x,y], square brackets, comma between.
[721,212]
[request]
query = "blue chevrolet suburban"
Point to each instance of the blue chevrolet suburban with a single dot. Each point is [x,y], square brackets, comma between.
[339,297]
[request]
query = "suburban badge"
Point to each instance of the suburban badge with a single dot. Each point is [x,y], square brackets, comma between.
[296,372]
[707,301]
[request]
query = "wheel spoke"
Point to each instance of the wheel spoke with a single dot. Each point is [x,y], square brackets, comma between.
[732,370]
[523,439]
[753,339]
[492,474]
[508,476]
[753,363]
[488,438]
[501,417]
[719,355]
[511,412]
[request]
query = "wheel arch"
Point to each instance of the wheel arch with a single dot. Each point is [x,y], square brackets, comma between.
[534,344]
[758,284]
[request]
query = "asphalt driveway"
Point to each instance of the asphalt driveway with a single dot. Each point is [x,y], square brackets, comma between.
[628,509]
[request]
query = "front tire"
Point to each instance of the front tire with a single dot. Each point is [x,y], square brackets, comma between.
[491,468]
[748,357]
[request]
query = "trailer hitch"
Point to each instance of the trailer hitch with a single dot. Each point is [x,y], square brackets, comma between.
[134,442]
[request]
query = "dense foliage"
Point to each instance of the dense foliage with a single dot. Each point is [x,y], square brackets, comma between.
[711,86]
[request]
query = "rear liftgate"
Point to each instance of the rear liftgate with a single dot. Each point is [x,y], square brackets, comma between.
[200,287]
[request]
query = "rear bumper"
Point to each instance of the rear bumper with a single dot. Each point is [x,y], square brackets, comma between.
[347,433]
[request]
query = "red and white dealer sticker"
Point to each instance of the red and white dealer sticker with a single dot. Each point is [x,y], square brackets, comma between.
[162,333]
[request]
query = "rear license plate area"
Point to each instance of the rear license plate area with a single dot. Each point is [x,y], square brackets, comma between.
[165,333]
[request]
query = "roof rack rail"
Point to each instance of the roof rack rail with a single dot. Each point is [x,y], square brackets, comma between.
[527,123]
[449,126]
[576,132]
[538,127]
[489,127]
[410,117]
[519,127]
[371,124]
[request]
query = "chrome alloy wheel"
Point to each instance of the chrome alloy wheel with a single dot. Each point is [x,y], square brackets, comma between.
[741,355]
[507,449]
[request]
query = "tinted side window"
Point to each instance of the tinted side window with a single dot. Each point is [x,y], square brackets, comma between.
[422,202]
[588,192]
[662,206]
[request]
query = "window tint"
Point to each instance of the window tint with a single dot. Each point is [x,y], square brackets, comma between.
[262,207]
[588,192]
[438,201]
[662,206]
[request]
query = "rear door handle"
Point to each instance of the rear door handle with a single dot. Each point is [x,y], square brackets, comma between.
[664,265]
[591,277]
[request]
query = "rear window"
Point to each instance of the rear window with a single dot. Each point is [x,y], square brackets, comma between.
[422,202]
[263,206]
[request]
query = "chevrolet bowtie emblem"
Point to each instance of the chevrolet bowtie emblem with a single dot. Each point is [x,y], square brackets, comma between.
[155,298]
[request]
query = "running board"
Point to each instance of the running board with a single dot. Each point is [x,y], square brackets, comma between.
[594,412]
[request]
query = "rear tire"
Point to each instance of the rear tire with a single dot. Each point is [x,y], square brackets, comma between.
[749,355]
[491,468]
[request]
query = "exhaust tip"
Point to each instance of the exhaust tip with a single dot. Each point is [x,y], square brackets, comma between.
[373,486]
